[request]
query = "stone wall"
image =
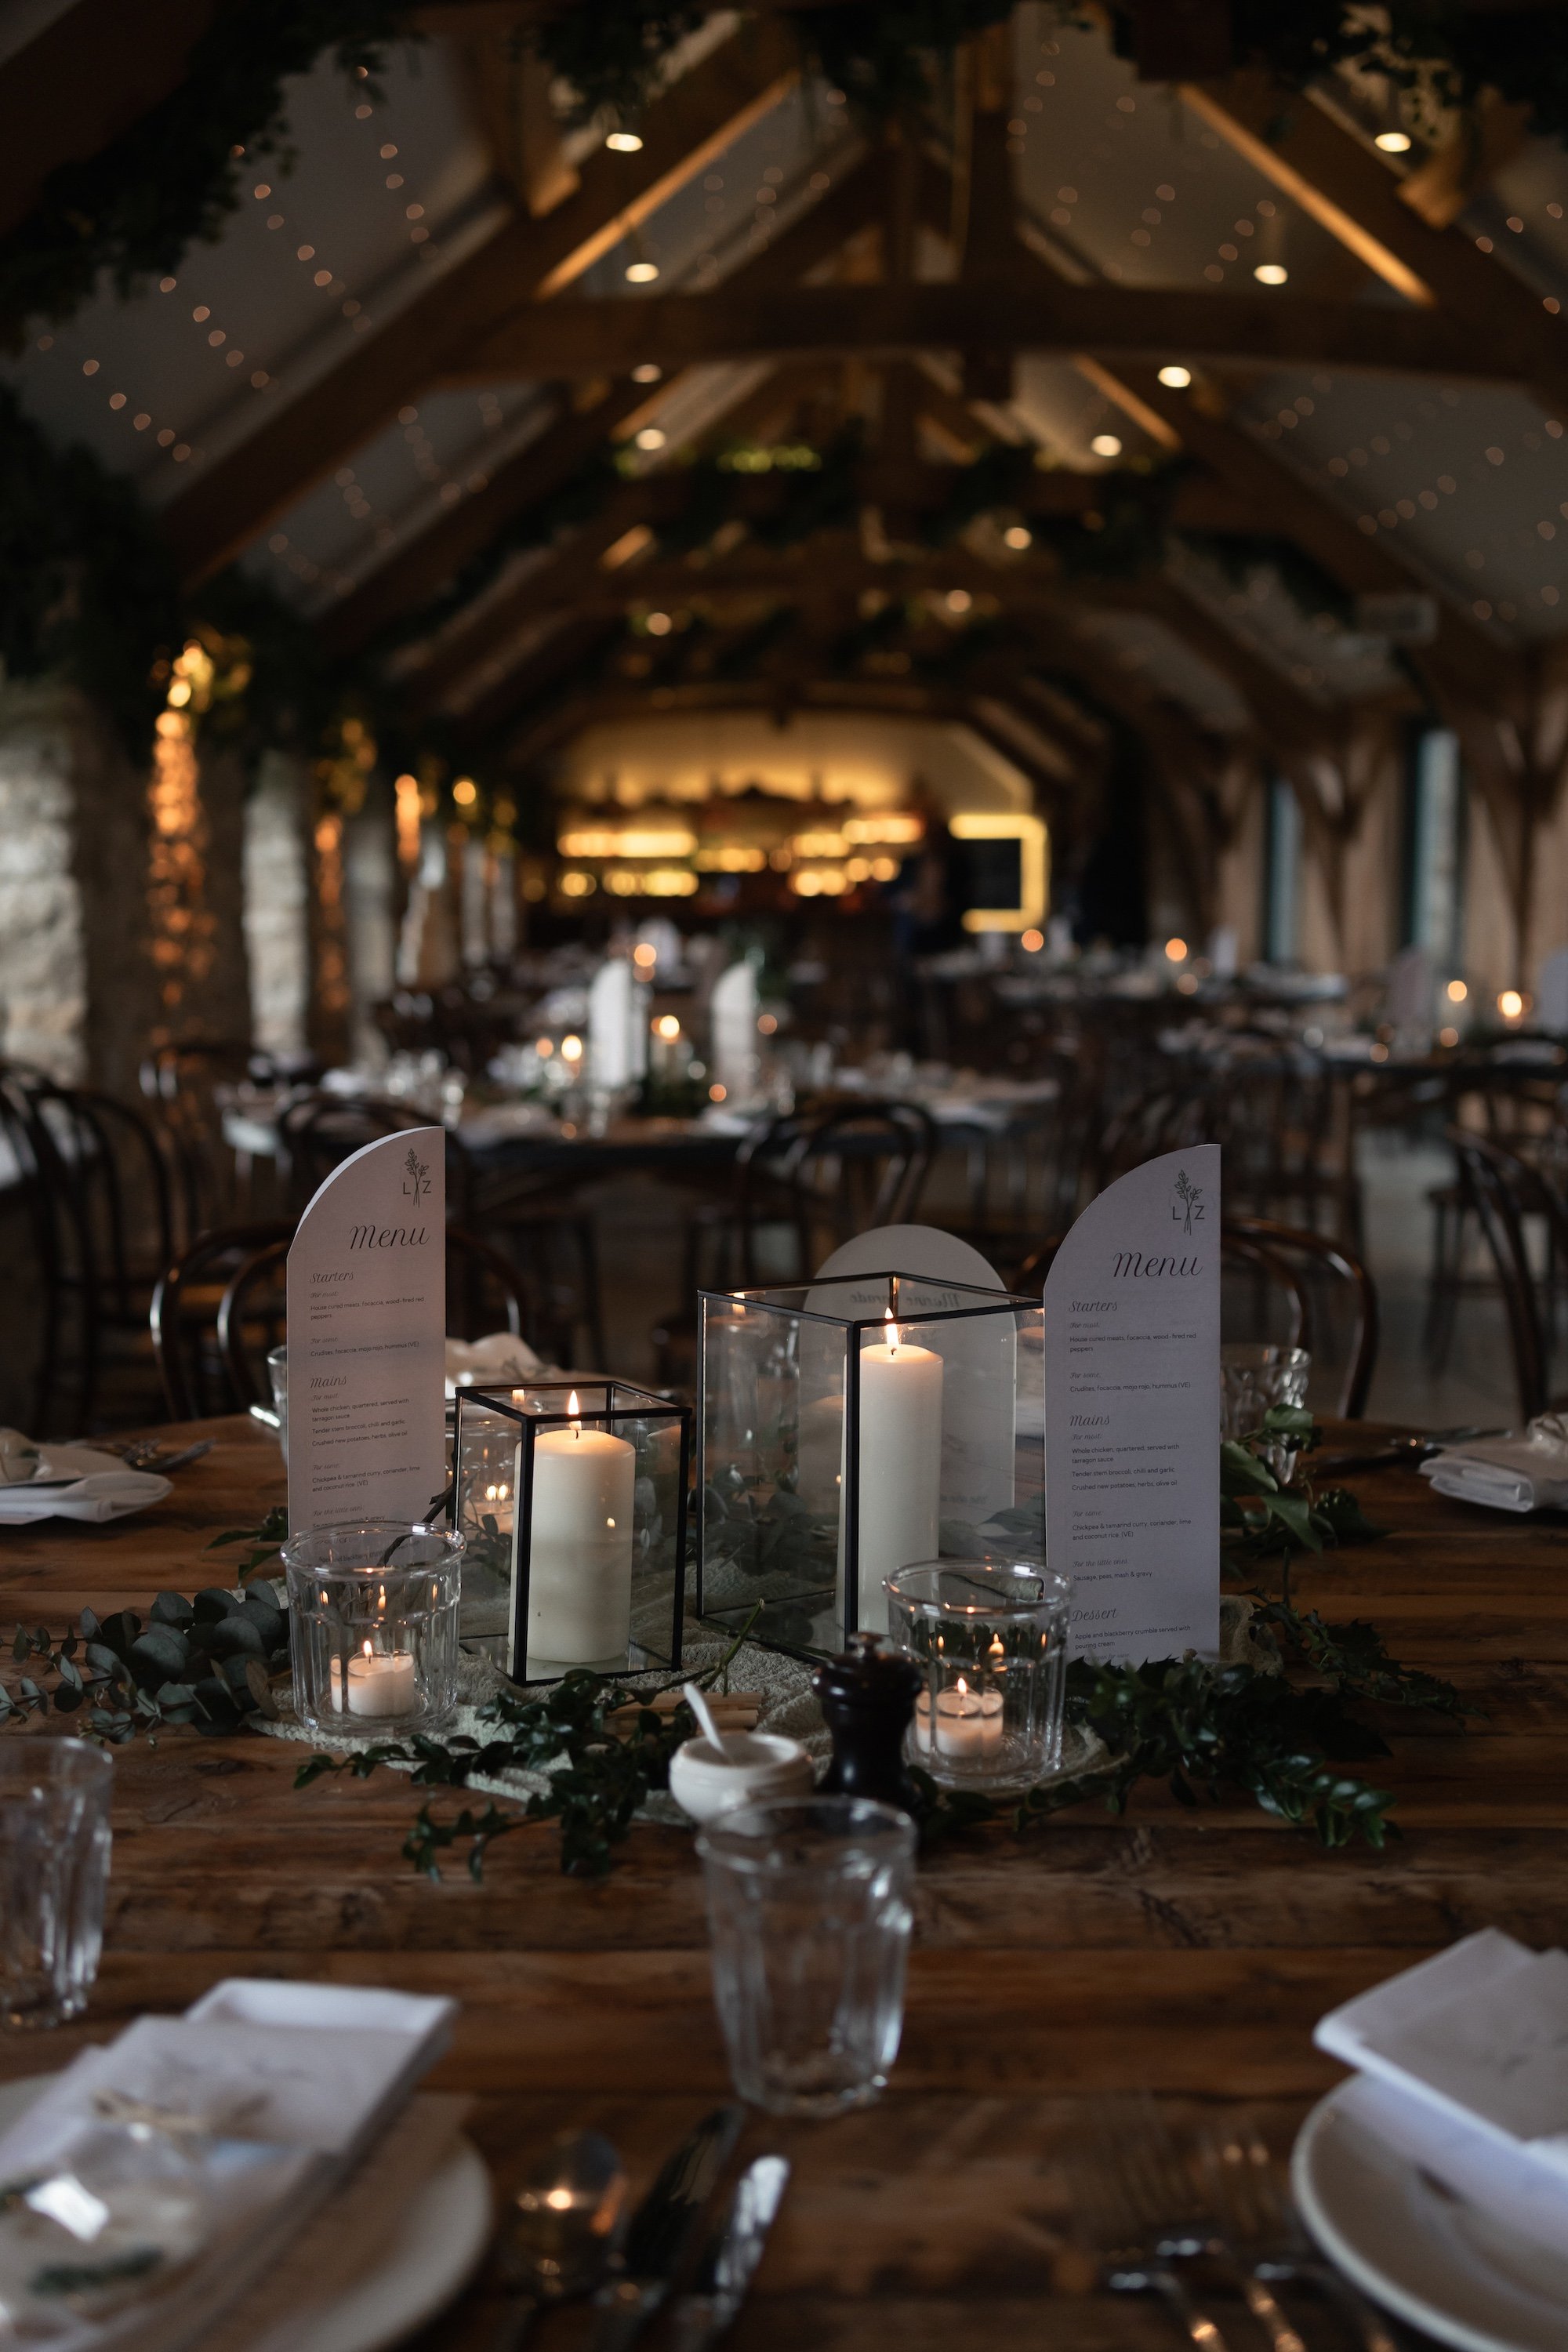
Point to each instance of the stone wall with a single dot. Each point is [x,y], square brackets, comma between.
[43,952]
[277,906]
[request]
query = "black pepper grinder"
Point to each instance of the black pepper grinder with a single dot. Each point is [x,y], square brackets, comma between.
[867,1696]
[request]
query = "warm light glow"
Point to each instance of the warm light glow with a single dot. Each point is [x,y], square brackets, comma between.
[650,437]
[1030,834]
[660,625]
[1271,273]
[1033,942]
[643,954]
[560,2199]
[1510,1005]
[544,1047]
[405,795]
[641,273]
[1392,143]
[572,1049]
[892,1334]
[893,825]
[717,1094]
[1175,377]
[1017,536]
[464,791]
[622,142]
[731,858]
[577,886]
[1447,1036]
[668,1027]
[767,1024]
[1457,992]
[1106,444]
[1176,949]
[959,600]
[819,881]
[821,845]
[647,371]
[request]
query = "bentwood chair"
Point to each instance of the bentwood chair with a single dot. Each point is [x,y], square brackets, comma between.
[1505,1195]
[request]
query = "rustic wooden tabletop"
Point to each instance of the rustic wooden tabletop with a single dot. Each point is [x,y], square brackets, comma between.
[1186,1953]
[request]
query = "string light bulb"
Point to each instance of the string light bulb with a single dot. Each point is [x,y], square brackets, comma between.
[1175,377]
[1392,143]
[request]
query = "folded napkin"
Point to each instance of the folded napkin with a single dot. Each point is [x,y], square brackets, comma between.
[489,1362]
[71,1482]
[1527,1473]
[1468,2059]
[157,2178]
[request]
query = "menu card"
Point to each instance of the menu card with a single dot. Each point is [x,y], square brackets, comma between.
[367,1320]
[1132,1412]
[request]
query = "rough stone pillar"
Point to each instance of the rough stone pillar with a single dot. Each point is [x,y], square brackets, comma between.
[371,883]
[277,905]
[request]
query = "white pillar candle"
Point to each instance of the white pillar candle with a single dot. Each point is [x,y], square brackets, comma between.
[901,1467]
[580,1549]
[376,1684]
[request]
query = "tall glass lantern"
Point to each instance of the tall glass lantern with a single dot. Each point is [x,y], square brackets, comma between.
[571,1499]
[855,1424]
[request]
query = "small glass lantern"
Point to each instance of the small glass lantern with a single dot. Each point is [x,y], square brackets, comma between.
[571,1500]
[991,1640]
[851,1426]
[372,1628]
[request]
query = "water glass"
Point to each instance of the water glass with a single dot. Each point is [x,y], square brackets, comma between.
[809,1918]
[54,1866]
[990,1637]
[278,1373]
[1253,1376]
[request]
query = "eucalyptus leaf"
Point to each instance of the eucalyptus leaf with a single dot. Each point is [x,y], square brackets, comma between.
[169,1609]
[159,1655]
[232,1637]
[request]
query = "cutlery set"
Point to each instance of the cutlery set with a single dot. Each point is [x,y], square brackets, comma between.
[567,2237]
[1208,2224]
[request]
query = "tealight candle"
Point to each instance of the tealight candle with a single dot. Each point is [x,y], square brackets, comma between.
[376,1683]
[968,1723]
[580,1544]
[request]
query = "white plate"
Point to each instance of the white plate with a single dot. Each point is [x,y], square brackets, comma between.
[58,1465]
[443,2232]
[1431,2258]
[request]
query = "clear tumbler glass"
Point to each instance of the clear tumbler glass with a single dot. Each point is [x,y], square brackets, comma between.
[809,1916]
[1253,1376]
[54,1866]
[990,1637]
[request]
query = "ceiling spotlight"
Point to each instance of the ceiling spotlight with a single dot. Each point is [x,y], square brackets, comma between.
[641,273]
[1175,378]
[1392,143]
[649,372]
[627,142]
[1106,444]
[1271,273]
[1017,536]
[650,437]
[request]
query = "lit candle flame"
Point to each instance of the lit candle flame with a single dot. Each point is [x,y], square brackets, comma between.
[963,1688]
[892,1332]
[574,1407]
[367,1650]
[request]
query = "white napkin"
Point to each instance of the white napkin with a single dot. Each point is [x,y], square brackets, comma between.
[489,1362]
[1527,1473]
[1469,2055]
[19,1456]
[75,1482]
[290,2082]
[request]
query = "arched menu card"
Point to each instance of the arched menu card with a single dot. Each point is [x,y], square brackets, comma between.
[1132,1412]
[367,1321]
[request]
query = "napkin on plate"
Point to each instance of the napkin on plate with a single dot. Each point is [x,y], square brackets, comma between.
[69,1482]
[203,2143]
[1468,2056]
[489,1362]
[1527,1473]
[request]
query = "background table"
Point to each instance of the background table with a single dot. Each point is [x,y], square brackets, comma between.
[1190,1953]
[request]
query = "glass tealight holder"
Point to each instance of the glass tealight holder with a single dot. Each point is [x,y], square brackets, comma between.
[571,1501]
[990,1637]
[853,1425]
[372,1628]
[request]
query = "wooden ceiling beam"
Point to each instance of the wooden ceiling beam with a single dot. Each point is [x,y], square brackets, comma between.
[1325,167]
[304,440]
[453,537]
[1263,330]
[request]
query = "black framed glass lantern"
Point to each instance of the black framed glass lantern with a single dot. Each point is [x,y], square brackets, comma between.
[851,1426]
[571,1497]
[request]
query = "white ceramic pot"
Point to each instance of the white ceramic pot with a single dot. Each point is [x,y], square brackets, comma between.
[752,1767]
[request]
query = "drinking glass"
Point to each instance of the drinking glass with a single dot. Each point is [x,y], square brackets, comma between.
[278,1371]
[989,1637]
[1252,1377]
[809,1918]
[54,1866]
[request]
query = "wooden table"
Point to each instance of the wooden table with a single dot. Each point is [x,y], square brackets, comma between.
[1187,1953]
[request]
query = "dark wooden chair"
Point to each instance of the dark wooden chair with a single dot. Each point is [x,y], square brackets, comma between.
[1506,1193]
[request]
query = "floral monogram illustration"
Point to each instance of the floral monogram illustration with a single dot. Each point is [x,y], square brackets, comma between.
[416,1178]
[1189,1202]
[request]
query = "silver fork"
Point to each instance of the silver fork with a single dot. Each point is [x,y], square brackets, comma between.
[1265,2234]
[1142,2248]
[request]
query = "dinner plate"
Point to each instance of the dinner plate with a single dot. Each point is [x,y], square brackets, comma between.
[62,1465]
[1431,2257]
[444,2230]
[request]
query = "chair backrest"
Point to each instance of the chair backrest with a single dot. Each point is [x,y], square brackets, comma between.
[484,1293]
[1324,1263]
[319,1132]
[28,1193]
[1504,1190]
[186,1313]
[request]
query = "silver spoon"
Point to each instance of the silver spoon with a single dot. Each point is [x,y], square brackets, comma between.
[559,2233]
